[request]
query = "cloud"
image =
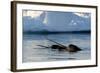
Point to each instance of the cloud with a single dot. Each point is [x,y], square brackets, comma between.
[84,15]
[32,14]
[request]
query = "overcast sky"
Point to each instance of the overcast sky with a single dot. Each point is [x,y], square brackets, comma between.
[51,20]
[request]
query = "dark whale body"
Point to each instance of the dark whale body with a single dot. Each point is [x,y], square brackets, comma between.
[60,47]
[73,48]
[70,48]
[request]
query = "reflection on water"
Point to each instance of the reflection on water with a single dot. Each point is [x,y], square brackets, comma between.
[33,53]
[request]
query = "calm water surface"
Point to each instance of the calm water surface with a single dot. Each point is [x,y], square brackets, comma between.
[31,52]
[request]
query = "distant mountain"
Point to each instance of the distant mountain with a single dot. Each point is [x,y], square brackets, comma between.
[57,32]
[56,22]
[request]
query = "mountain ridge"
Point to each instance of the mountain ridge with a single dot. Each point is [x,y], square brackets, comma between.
[56,32]
[58,22]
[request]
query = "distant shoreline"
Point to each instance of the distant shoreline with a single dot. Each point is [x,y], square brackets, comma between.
[57,32]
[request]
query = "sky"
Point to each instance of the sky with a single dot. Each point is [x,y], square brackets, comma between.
[55,21]
[34,14]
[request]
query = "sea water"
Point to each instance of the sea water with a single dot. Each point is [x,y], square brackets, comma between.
[31,52]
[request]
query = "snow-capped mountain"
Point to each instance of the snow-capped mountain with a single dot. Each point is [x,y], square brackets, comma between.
[33,24]
[57,21]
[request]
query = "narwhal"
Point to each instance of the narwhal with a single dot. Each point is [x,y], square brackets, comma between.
[70,48]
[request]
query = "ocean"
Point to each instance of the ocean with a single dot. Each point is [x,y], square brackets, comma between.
[31,52]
